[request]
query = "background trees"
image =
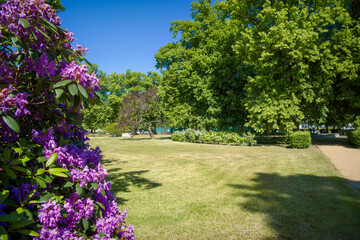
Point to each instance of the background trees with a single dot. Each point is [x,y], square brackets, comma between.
[141,110]
[268,64]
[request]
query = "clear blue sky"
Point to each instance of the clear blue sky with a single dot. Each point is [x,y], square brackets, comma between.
[123,34]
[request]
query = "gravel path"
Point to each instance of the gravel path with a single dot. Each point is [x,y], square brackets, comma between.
[344,157]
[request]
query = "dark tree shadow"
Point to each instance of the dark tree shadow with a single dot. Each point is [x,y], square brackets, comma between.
[330,140]
[304,206]
[121,181]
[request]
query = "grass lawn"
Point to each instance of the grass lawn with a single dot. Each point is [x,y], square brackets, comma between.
[178,190]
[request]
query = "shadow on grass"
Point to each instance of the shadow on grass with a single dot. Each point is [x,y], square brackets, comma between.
[329,140]
[121,181]
[146,138]
[304,206]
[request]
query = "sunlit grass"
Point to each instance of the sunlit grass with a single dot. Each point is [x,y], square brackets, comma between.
[178,190]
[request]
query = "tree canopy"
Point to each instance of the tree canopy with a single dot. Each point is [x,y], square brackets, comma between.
[267,64]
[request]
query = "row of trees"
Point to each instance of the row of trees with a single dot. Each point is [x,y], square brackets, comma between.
[129,98]
[272,64]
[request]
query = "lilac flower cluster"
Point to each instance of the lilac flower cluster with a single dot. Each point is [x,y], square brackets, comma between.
[79,75]
[9,102]
[12,11]
[19,194]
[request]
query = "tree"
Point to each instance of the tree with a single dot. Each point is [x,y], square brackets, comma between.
[96,117]
[115,87]
[298,52]
[269,65]
[203,82]
[141,110]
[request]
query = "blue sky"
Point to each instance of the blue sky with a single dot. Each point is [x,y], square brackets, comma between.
[123,34]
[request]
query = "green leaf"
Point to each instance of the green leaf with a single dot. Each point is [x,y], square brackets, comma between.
[68,185]
[29,213]
[58,92]
[41,183]
[40,171]
[44,198]
[101,234]
[3,195]
[25,23]
[73,89]
[11,173]
[21,169]
[30,195]
[9,218]
[23,142]
[86,224]
[6,155]
[15,41]
[94,185]
[47,179]
[28,232]
[3,234]
[61,83]
[11,123]
[41,159]
[83,91]
[42,33]
[60,172]
[79,189]
[63,170]
[51,159]
[24,159]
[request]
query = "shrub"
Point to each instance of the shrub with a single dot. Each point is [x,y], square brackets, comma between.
[300,139]
[113,128]
[354,138]
[52,184]
[213,137]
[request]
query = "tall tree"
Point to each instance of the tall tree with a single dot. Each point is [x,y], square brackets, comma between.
[141,110]
[202,80]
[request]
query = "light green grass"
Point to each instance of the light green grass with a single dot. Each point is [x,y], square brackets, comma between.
[176,190]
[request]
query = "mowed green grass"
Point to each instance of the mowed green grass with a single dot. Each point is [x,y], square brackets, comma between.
[176,190]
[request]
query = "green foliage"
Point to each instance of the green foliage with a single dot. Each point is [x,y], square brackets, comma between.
[115,87]
[354,138]
[114,128]
[267,64]
[300,139]
[214,137]
[96,116]
[15,170]
[202,82]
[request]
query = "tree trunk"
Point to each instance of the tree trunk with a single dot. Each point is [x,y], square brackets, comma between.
[154,126]
[150,133]
[327,128]
[267,128]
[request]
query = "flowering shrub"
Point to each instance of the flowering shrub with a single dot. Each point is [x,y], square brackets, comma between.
[212,137]
[52,185]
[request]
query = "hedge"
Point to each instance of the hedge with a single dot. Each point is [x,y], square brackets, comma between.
[300,139]
[354,138]
[213,137]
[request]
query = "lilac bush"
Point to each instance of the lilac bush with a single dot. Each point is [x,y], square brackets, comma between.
[52,184]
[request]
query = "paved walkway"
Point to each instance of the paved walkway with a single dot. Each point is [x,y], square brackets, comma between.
[344,157]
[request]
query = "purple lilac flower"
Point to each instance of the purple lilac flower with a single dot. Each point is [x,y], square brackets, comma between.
[79,74]
[49,214]
[18,102]
[128,233]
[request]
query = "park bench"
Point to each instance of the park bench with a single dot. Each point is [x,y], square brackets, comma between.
[126,135]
